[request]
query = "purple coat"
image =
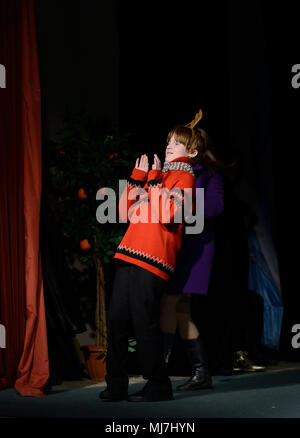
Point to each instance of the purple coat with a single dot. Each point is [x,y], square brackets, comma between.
[194,261]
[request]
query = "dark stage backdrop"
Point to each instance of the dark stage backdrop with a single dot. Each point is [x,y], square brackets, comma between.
[234,60]
[78,59]
[281,26]
[231,59]
[172,62]
[147,66]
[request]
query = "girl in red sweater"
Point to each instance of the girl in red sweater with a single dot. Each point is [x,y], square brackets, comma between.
[145,260]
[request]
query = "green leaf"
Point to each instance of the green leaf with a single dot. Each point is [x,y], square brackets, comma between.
[132,342]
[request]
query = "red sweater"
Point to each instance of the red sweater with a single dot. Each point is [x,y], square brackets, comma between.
[154,246]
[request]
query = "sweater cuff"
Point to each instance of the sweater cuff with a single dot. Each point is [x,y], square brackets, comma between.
[139,175]
[154,174]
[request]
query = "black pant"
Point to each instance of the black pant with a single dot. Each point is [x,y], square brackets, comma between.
[135,300]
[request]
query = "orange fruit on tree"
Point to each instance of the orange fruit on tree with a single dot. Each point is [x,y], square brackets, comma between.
[85,245]
[115,154]
[81,193]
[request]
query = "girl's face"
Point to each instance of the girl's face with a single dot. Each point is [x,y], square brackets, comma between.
[175,149]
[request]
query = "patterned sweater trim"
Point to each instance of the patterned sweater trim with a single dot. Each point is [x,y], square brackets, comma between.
[135,183]
[148,258]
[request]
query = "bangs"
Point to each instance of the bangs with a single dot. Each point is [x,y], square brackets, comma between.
[182,134]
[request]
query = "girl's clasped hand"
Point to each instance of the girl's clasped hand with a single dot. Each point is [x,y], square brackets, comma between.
[143,163]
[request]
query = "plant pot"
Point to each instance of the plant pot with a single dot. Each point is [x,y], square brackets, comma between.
[95,362]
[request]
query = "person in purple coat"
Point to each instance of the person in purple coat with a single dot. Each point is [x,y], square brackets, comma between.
[193,270]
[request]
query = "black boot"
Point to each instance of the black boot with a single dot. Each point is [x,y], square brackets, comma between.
[169,339]
[117,389]
[201,378]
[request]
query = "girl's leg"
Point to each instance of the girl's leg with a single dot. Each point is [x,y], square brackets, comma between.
[168,321]
[168,312]
[118,324]
[186,326]
[145,297]
[188,331]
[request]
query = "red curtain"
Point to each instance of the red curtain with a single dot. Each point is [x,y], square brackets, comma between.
[24,362]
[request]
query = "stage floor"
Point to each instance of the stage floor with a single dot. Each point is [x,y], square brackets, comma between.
[75,384]
[274,393]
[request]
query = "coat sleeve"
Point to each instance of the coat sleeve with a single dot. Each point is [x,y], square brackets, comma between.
[213,196]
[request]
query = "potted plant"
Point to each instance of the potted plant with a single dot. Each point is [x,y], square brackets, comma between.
[83,158]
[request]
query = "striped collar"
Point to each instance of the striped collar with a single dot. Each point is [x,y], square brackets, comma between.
[177,165]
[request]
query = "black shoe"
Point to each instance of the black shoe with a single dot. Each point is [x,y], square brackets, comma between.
[153,391]
[107,397]
[200,379]
[242,363]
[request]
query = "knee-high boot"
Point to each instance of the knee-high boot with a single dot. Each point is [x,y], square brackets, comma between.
[201,378]
[169,339]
